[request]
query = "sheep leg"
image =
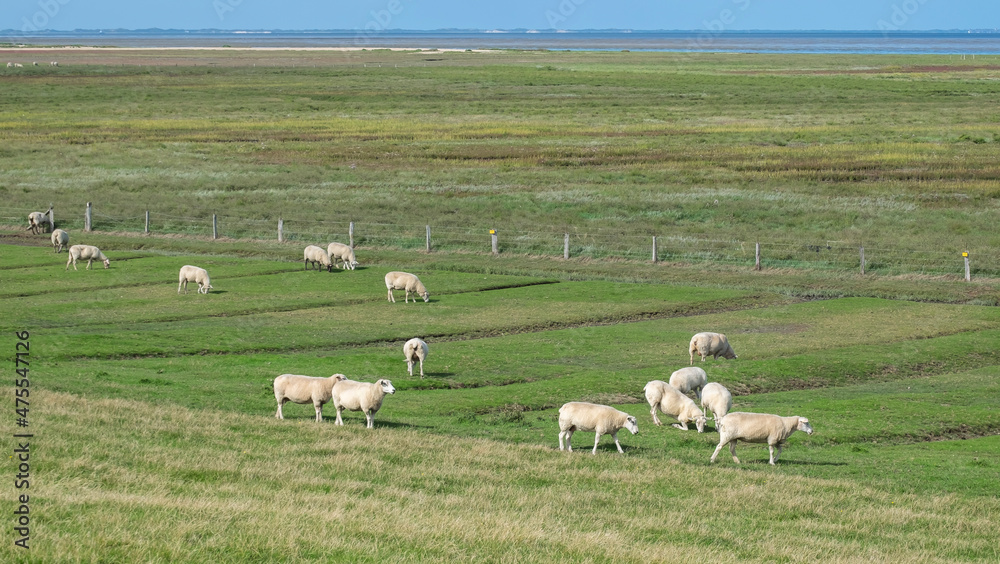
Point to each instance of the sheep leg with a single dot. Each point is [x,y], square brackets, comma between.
[421,369]
[683,426]
[89,262]
[655,418]
[391,298]
[179,284]
[319,412]
[279,415]
[339,420]
[369,420]
[597,439]
[775,457]
[716,453]
[406,298]
[569,440]
[409,366]
[732,450]
[617,444]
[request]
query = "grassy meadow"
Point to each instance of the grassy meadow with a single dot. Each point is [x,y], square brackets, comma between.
[153,413]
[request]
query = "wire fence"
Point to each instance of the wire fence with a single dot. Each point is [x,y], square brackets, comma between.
[597,243]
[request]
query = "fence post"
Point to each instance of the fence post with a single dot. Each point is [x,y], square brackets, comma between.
[350,233]
[428,238]
[968,273]
[215,226]
[146,230]
[756,260]
[566,246]
[86,218]
[654,249]
[281,230]
[493,237]
[862,260]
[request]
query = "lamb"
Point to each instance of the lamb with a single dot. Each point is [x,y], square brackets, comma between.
[38,220]
[672,402]
[305,389]
[409,283]
[415,349]
[88,253]
[361,396]
[758,428]
[317,256]
[688,379]
[711,344]
[602,419]
[194,274]
[60,239]
[717,399]
[340,251]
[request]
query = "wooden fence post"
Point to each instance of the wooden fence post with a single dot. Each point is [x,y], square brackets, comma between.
[566,246]
[968,273]
[350,233]
[428,238]
[215,226]
[756,260]
[493,237]
[862,260]
[146,230]
[281,230]
[654,249]
[86,218]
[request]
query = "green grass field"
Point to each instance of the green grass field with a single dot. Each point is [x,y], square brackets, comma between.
[153,412]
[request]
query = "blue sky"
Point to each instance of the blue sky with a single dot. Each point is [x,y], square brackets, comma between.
[911,15]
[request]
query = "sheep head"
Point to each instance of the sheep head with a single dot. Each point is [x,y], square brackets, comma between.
[386,386]
[804,426]
[631,424]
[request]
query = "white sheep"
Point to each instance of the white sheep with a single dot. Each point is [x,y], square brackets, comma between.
[711,344]
[361,396]
[9,65]
[317,256]
[194,274]
[88,253]
[758,428]
[415,349]
[18,65]
[408,282]
[54,64]
[602,419]
[690,378]
[304,389]
[672,402]
[340,251]
[37,221]
[60,239]
[717,399]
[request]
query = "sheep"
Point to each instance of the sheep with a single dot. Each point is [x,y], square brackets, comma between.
[409,283]
[342,252]
[19,65]
[758,428]
[415,349]
[711,344]
[54,64]
[10,65]
[87,252]
[194,274]
[37,221]
[361,396]
[60,239]
[672,402]
[717,399]
[602,419]
[688,379]
[317,256]
[305,389]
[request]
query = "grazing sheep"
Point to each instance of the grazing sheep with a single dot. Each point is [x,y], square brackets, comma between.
[717,399]
[88,253]
[9,65]
[361,396]
[194,274]
[304,389]
[688,379]
[37,221]
[19,65]
[60,239]
[711,344]
[409,283]
[317,256]
[340,251]
[672,402]
[415,349]
[54,64]
[758,428]
[602,419]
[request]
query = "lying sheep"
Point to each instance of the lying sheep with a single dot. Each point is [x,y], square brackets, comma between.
[711,344]
[688,379]
[361,396]
[415,349]
[340,251]
[408,282]
[88,253]
[717,399]
[672,402]
[40,222]
[317,256]
[194,274]
[60,239]
[602,419]
[305,389]
[758,428]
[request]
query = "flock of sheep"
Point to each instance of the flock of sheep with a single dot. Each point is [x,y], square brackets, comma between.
[669,398]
